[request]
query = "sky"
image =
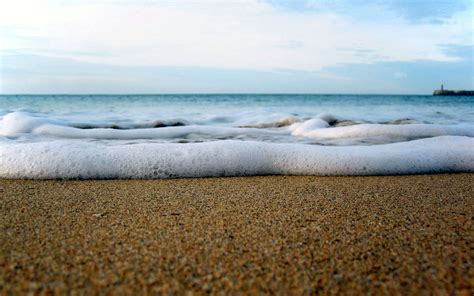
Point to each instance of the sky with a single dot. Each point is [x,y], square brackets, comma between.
[236,46]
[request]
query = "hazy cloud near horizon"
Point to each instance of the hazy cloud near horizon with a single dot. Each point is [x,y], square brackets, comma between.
[318,46]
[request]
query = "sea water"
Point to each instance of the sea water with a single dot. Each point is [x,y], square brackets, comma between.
[160,136]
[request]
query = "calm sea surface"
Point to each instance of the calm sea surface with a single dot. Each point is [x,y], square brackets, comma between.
[230,109]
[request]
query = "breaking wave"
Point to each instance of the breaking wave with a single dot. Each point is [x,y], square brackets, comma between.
[44,148]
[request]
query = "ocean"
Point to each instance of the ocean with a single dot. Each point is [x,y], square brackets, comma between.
[163,136]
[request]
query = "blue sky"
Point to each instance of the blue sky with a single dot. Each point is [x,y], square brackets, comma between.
[249,46]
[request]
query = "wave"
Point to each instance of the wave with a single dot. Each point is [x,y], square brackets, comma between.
[318,130]
[46,148]
[73,159]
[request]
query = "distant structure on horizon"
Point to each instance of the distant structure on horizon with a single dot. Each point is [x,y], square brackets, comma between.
[445,92]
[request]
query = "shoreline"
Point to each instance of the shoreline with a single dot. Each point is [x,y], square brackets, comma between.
[270,234]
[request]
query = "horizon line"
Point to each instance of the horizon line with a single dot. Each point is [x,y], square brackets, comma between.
[211,93]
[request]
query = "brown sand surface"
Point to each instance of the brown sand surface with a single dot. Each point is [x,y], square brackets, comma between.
[284,235]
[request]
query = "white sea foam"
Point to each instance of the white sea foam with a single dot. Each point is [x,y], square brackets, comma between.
[18,123]
[408,131]
[162,133]
[42,148]
[318,128]
[306,127]
[64,159]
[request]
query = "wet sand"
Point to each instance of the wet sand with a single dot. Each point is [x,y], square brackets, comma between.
[405,234]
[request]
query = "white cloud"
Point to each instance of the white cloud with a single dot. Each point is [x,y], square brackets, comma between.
[242,34]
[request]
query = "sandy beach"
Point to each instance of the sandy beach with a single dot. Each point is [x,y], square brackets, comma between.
[285,235]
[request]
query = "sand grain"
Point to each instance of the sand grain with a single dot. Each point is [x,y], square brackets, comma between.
[259,234]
